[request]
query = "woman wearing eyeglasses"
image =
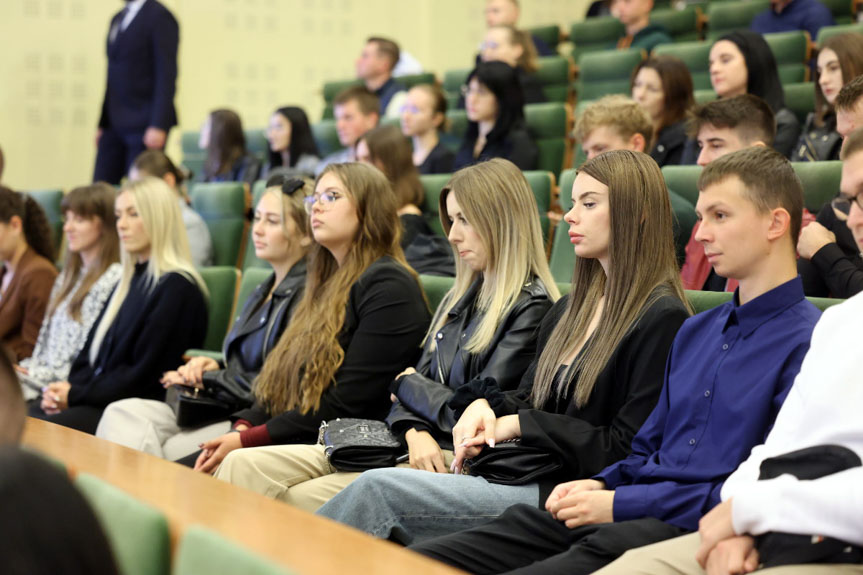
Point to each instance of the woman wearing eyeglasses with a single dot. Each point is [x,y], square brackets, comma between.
[494,102]
[281,237]
[361,321]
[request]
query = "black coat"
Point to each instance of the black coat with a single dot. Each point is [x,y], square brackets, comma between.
[439,161]
[385,321]
[669,146]
[142,71]
[254,335]
[836,270]
[423,396]
[517,146]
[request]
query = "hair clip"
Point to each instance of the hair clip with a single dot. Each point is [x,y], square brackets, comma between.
[292,185]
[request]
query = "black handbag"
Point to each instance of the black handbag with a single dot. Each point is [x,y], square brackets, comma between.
[774,548]
[194,407]
[511,463]
[358,444]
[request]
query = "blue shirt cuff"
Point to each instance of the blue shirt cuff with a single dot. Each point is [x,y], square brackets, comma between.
[630,502]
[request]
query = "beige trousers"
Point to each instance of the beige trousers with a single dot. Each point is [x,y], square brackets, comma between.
[296,474]
[677,557]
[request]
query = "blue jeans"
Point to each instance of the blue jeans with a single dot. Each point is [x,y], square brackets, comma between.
[410,506]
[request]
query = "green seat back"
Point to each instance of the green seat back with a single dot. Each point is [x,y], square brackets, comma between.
[724,17]
[326,137]
[412,80]
[222,284]
[705,96]
[564,287]
[453,80]
[332,89]
[138,533]
[205,551]
[684,221]
[823,303]
[456,127]
[193,156]
[595,34]
[705,300]
[820,182]
[548,34]
[257,144]
[548,124]
[829,31]
[562,258]
[50,201]
[250,260]
[252,278]
[682,25]
[609,72]
[223,207]
[683,181]
[554,75]
[435,288]
[791,50]
[695,55]
[433,184]
[800,99]
[541,183]
[840,9]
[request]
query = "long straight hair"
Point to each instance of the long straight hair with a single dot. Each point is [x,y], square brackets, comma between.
[95,202]
[305,361]
[302,141]
[159,210]
[642,267]
[496,199]
[500,79]
[849,49]
[227,142]
[761,69]
[390,150]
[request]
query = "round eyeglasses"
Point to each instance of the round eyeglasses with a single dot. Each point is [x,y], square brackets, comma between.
[325,199]
[842,205]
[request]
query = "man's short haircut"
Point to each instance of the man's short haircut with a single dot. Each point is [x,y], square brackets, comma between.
[367,102]
[13,411]
[388,48]
[618,112]
[850,95]
[768,181]
[748,115]
[853,143]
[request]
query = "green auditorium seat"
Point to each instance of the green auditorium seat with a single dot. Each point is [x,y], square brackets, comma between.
[257,144]
[223,206]
[705,96]
[222,284]
[823,303]
[562,257]
[705,300]
[800,99]
[791,50]
[326,137]
[555,75]
[433,184]
[683,181]
[695,55]
[550,125]
[193,156]
[820,182]
[681,24]
[828,31]
[412,80]
[138,533]
[252,278]
[542,184]
[595,34]
[456,126]
[548,34]
[205,551]
[453,80]
[435,288]
[841,11]
[609,72]
[724,17]
[50,201]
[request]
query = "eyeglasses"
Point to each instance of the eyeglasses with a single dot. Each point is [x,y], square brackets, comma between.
[325,199]
[843,205]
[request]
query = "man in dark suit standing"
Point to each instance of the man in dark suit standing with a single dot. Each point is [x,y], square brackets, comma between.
[138,109]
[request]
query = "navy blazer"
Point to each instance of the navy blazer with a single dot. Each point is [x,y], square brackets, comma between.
[142,71]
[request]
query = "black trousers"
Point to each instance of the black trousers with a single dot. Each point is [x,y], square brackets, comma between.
[526,539]
[116,151]
[83,417]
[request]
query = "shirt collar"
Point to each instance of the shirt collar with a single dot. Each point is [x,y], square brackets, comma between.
[386,85]
[751,315]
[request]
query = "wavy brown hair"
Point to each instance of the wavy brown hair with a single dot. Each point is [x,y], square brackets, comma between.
[849,50]
[227,142]
[676,86]
[91,202]
[304,363]
[391,151]
[641,268]
[34,222]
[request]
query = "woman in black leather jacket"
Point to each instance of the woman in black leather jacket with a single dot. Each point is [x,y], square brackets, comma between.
[485,327]
[281,237]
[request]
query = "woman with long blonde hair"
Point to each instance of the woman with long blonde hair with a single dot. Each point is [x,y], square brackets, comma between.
[361,320]
[502,291]
[157,312]
[599,372]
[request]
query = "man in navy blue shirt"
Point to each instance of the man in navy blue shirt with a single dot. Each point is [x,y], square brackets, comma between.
[790,15]
[375,68]
[728,373]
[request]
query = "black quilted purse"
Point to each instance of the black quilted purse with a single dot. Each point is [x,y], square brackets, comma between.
[511,463]
[358,444]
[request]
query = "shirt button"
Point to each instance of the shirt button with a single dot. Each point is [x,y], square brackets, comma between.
[439,335]
[724,346]
[691,442]
[464,335]
[263,320]
[707,393]
[289,291]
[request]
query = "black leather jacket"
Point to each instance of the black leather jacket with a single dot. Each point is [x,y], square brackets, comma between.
[254,335]
[423,396]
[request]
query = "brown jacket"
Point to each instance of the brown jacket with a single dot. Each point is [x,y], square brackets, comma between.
[23,304]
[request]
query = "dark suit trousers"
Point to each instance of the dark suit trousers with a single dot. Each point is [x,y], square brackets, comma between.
[115,154]
[526,539]
[83,417]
